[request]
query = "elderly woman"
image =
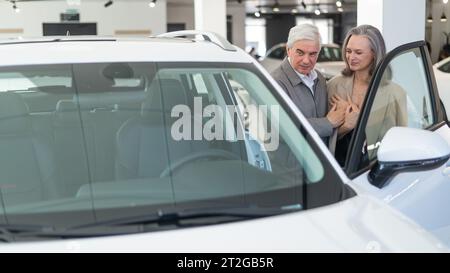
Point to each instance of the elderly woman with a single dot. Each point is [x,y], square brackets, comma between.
[364,48]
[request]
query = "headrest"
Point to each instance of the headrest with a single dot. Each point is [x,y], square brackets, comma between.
[118,71]
[173,93]
[66,106]
[14,114]
[109,99]
[67,112]
[96,78]
[90,79]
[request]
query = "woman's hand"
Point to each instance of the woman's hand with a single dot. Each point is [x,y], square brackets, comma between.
[339,102]
[351,117]
[351,114]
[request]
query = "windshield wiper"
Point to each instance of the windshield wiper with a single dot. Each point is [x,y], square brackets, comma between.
[187,218]
[9,231]
[141,223]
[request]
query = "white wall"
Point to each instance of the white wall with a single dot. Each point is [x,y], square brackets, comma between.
[400,21]
[184,13]
[237,11]
[209,16]
[122,15]
[181,13]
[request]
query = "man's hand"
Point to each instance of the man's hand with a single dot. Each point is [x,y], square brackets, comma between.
[336,116]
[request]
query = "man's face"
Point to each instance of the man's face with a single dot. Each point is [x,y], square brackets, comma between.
[303,55]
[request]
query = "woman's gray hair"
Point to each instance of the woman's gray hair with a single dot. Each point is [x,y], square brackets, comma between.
[376,43]
[303,32]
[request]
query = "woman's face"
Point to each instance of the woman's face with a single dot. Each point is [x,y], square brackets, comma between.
[358,53]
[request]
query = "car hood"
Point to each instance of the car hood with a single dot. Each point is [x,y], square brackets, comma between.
[359,224]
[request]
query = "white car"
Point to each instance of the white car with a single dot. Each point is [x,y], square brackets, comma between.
[329,62]
[146,145]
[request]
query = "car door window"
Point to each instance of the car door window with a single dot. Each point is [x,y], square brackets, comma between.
[403,97]
[445,67]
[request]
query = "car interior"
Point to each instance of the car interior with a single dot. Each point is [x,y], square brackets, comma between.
[109,136]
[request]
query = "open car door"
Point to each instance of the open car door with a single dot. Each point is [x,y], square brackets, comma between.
[406,167]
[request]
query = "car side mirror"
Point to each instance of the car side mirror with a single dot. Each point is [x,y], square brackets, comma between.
[407,149]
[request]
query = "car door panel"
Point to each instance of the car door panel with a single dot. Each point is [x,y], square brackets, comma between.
[420,195]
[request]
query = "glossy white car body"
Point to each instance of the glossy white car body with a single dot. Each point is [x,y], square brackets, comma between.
[367,222]
[355,225]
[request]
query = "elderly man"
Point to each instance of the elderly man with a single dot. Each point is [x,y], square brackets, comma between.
[306,86]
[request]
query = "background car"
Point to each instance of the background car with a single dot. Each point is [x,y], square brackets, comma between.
[145,145]
[329,62]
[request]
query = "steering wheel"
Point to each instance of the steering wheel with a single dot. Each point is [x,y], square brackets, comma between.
[197,155]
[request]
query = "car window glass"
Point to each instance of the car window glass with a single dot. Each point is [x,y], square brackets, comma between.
[278,53]
[329,54]
[129,138]
[402,99]
[445,67]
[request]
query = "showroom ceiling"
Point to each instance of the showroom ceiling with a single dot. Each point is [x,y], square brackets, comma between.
[286,5]
[264,6]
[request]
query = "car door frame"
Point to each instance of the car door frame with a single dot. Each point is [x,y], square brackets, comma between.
[354,154]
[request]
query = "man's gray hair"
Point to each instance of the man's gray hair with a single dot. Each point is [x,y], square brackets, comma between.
[303,32]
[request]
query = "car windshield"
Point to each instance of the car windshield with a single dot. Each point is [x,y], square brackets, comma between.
[92,142]
[330,54]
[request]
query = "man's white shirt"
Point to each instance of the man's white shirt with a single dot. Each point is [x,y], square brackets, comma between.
[308,80]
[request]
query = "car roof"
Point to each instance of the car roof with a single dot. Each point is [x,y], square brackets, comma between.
[88,49]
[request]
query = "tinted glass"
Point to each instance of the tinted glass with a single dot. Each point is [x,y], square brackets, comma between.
[278,53]
[403,99]
[89,142]
[330,54]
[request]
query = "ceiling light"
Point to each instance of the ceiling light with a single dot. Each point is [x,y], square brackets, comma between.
[317,11]
[276,7]
[152,4]
[338,4]
[303,4]
[257,13]
[445,1]
[73,2]
[109,3]
[15,8]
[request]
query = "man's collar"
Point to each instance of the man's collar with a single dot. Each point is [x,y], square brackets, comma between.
[293,75]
